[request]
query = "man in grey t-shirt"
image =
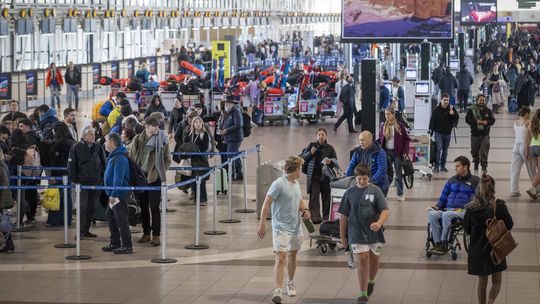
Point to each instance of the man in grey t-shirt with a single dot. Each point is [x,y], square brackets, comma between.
[363,211]
[288,208]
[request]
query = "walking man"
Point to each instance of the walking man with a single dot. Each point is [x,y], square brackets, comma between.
[480,118]
[465,80]
[73,81]
[285,199]
[443,119]
[347,98]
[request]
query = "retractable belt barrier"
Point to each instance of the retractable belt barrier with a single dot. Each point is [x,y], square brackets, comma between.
[65,186]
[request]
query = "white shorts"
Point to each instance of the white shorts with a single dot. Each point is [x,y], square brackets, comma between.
[361,248]
[285,242]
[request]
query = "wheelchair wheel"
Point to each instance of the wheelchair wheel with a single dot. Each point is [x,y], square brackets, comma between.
[466,241]
[408,180]
[323,249]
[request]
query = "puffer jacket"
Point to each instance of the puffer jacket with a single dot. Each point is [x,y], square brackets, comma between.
[375,158]
[6,199]
[458,191]
[313,162]
[233,124]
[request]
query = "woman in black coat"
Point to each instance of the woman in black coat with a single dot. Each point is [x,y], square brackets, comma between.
[479,261]
[156,106]
[317,183]
[199,136]
[60,154]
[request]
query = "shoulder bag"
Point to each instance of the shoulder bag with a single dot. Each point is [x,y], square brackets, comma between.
[501,240]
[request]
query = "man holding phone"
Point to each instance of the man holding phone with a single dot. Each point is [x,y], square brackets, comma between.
[457,192]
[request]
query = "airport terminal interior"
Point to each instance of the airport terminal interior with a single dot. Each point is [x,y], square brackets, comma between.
[282,61]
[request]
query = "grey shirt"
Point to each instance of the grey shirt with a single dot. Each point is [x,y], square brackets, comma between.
[363,207]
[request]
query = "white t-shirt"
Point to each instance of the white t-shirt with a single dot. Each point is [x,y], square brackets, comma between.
[389,143]
[286,198]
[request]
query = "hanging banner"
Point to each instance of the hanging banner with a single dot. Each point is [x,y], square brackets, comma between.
[222,49]
[130,68]
[31,83]
[5,86]
[152,62]
[96,73]
[115,69]
[167,61]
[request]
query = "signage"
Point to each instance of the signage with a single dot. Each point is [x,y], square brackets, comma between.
[167,61]
[130,68]
[5,86]
[115,71]
[31,83]
[96,73]
[152,62]
[222,49]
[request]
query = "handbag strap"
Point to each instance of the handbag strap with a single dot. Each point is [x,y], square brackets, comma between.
[495,209]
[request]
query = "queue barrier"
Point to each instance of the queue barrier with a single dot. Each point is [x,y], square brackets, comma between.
[163,188]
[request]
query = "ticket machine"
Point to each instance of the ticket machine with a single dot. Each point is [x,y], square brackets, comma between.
[422,105]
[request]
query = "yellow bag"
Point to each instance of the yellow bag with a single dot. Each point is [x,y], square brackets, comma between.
[51,199]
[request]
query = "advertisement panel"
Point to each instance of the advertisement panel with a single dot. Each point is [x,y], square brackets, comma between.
[96,73]
[222,49]
[31,83]
[115,69]
[5,86]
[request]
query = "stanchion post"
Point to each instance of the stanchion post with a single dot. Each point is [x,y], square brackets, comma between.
[78,256]
[18,228]
[245,209]
[65,190]
[230,174]
[164,259]
[257,174]
[258,155]
[197,246]
[214,208]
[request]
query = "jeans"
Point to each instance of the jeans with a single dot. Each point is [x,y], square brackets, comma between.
[73,92]
[440,223]
[55,93]
[480,150]
[442,141]
[348,114]
[149,201]
[319,189]
[204,195]
[237,164]
[89,199]
[117,218]
[518,159]
[397,160]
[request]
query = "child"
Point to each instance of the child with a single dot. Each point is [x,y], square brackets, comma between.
[363,211]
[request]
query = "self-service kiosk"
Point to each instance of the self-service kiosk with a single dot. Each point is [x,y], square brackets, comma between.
[411,75]
[422,105]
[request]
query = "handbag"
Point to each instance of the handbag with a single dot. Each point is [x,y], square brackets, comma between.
[185,163]
[408,168]
[51,199]
[501,240]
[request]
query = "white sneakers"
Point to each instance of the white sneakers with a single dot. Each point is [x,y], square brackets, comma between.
[532,192]
[291,289]
[401,198]
[276,298]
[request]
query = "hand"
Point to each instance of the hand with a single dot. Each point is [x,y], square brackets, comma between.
[327,161]
[375,226]
[484,122]
[479,121]
[313,150]
[451,111]
[435,208]
[261,231]
[306,215]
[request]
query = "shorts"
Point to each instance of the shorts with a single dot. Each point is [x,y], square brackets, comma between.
[534,151]
[376,248]
[286,242]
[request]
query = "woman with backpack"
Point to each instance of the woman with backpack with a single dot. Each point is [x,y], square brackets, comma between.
[318,155]
[201,137]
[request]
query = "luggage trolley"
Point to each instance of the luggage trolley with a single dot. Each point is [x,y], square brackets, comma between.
[307,109]
[146,98]
[167,98]
[419,153]
[276,108]
[329,106]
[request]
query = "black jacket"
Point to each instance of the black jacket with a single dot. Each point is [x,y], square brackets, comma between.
[32,138]
[76,80]
[346,96]
[313,162]
[448,84]
[485,114]
[465,80]
[153,108]
[177,115]
[441,121]
[60,154]
[86,165]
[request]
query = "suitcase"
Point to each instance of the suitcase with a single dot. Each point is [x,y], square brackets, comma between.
[222,181]
[330,228]
[512,105]
[266,174]
[257,116]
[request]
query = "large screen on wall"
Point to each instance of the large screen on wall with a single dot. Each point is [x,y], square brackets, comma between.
[478,12]
[397,20]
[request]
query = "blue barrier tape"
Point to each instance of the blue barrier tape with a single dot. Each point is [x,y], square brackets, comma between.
[41,168]
[190,168]
[58,178]
[207,174]
[202,153]
[125,188]
[181,184]
[36,187]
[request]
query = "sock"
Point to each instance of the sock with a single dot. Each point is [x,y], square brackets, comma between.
[371,281]
[363,294]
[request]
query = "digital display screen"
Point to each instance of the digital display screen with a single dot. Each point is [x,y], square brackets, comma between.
[410,74]
[478,12]
[469,52]
[422,88]
[454,64]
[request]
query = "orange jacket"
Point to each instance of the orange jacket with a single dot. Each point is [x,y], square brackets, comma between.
[59,78]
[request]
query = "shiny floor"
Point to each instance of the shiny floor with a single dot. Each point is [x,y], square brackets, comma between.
[237,267]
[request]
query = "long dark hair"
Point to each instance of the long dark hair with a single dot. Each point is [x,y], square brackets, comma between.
[18,140]
[61,131]
[485,195]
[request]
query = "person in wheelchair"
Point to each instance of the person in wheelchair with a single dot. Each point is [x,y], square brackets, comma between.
[458,191]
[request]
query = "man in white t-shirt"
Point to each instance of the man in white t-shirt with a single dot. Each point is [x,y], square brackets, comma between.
[285,199]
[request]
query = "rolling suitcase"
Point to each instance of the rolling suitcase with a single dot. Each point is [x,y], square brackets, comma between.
[266,174]
[257,116]
[222,182]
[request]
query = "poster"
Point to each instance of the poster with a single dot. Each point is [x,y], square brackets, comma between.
[152,62]
[222,49]
[115,70]
[130,68]
[5,86]
[31,83]
[167,61]
[96,73]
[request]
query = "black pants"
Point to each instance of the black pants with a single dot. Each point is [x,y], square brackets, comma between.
[463,97]
[323,190]
[480,150]
[204,195]
[32,198]
[347,114]
[117,218]
[149,201]
[89,199]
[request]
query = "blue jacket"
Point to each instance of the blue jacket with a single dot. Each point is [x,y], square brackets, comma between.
[401,99]
[458,191]
[117,172]
[375,158]
[47,118]
[107,108]
[143,75]
[233,125]
[384,98]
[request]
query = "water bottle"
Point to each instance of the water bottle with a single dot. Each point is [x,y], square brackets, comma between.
[309,225]
[350,258]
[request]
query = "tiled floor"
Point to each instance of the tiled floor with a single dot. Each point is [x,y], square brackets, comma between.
[237,268]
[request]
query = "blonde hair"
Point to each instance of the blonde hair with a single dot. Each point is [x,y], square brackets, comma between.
[293,163]
[197,118]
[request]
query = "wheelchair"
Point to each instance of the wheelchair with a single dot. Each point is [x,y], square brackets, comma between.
[453,243]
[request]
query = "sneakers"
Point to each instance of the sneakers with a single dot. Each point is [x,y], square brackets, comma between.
[515,194]
[109,248]
[362,300]
[144,239]
[123,250]
[532,193]
[88,234]
[291,289]
[475,167]
[276,298]
[155,241]
[443,169]
[439,249]
[370,288]
[401,198]
[435,170]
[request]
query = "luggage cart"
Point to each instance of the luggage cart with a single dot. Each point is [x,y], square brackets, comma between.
[292,99]
[146,98]
[167,98]
[419,153]
[190,100]
[307,110]
[276,108]
[328,106]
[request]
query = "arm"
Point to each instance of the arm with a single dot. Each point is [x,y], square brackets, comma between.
[72,165]
[407,141]
[237,122]
[490,119]
[441,204]
[261,231]
[467,223]
[171,122]
[471,79]
[306,153]
[304,210]
[167,156]
[455,118]
[344,220]
[469,118]
[505,216]
[381,168]
[352,165]
[432,121]
[119,175]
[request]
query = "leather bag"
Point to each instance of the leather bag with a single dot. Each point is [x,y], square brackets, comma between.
[501,240]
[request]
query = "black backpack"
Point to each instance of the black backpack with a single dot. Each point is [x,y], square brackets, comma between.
[138,177]
[247,124]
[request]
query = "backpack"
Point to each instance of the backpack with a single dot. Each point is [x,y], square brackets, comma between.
[96,111]
[247,124]
[32,158]
[138,177]
[513,106]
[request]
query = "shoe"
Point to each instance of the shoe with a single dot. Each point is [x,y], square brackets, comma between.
[444,169]
[123,250]
[532,193]
[88,234]
[362,300]
[144,239]
[440,249]
[515,194]
[8,246]
[475,167]
[192,197]
[184,190]
[155,241]
[353,131]
[334,128]
[291,289]
[401,198]
[31,221]
[435,170]
[370,288]
[109,248]
[276,298]
[484,170]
